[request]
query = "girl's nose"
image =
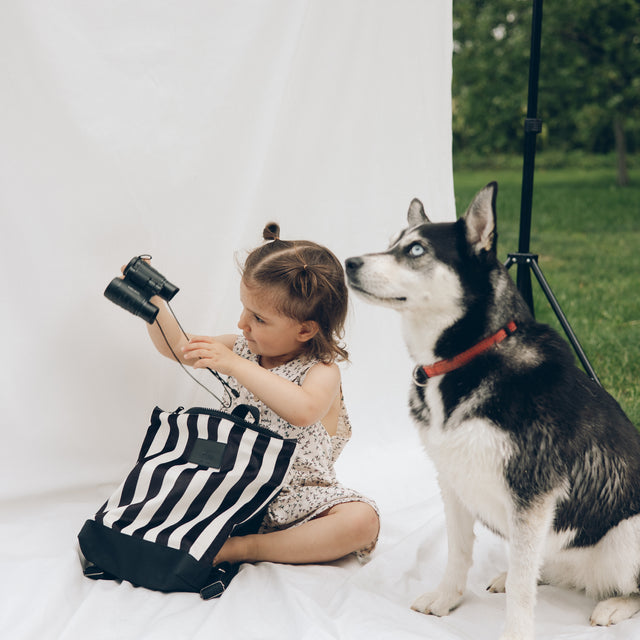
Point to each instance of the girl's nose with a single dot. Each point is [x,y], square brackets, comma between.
[242,322]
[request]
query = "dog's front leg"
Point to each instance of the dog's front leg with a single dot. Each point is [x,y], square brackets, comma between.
[528,532]
[460,539]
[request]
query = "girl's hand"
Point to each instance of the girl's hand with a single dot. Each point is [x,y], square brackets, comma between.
[205,352]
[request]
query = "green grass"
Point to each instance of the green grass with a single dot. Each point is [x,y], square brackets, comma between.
[586,231]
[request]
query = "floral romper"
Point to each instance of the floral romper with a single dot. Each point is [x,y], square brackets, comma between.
[311,487]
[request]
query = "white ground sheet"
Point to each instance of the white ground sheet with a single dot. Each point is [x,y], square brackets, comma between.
[178,129]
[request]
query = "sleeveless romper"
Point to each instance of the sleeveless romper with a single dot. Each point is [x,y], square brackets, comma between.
[312,486]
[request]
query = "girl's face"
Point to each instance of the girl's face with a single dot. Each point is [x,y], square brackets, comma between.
[275,337]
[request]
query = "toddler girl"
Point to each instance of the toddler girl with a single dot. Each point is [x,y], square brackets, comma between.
[295,303]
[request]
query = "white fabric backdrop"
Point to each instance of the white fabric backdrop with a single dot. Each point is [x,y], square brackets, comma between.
[178,129]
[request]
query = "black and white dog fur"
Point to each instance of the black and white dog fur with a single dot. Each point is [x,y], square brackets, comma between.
[521,438]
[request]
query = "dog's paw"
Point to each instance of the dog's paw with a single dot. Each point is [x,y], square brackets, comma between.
[614,610]
[498,584]
[437,603]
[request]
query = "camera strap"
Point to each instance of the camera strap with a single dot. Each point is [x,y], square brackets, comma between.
[229,390]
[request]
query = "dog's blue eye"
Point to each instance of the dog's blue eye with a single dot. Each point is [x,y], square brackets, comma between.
[416,250]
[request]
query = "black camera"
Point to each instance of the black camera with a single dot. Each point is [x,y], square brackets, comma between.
[133,292]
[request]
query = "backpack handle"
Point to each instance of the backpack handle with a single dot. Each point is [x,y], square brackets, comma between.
[242,411]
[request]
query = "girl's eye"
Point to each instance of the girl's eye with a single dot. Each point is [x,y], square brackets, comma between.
[258,319]
[416,250]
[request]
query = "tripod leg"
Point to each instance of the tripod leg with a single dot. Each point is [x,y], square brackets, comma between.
[523,282]
[532,126]
[544,285]
[524,259]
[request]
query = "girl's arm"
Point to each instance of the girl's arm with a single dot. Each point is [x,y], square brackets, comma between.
[173,333]
[300,405]
[171,330]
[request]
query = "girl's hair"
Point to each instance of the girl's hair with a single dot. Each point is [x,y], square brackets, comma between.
[306,282]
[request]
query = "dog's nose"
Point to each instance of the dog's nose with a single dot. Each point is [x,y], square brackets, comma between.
[353,264]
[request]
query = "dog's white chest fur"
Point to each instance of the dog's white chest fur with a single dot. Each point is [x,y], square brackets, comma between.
[470,455]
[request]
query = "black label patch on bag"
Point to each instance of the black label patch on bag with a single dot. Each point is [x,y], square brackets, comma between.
[207,453]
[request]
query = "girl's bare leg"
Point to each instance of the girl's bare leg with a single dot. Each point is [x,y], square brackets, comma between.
[342,529]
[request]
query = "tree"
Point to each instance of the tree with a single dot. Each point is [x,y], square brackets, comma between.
[602,43]
[589,94]
[490,65]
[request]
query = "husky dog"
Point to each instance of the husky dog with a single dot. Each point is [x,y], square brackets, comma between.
[521,438]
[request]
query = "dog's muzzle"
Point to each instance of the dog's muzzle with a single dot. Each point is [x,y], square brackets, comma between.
[351,266]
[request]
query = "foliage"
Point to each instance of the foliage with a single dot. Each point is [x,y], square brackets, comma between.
[548,159]
[490,67]
[586,232]
[589,74]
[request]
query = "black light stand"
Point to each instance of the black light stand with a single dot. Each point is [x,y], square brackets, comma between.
[526,260]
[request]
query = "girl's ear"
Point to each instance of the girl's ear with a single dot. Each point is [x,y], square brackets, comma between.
[307,330]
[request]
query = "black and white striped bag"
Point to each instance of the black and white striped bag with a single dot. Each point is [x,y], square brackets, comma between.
[201,476]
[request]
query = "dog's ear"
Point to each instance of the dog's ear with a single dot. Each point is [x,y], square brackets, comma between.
[480,220]
[416,214]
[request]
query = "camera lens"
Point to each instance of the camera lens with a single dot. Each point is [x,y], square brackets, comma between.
[130,299]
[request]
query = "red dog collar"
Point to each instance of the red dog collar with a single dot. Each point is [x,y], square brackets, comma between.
[444,366]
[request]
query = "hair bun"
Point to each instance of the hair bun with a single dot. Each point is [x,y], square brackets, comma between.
[271,231]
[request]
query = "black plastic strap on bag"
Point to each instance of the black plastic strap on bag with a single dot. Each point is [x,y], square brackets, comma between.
[222,575]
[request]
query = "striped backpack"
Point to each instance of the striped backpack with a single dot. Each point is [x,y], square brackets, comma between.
[202,475]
